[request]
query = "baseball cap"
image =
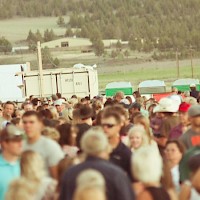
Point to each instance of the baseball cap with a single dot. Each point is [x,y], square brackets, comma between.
[59,102]
[11,132]
[193,85]
[184,107]
[194,111]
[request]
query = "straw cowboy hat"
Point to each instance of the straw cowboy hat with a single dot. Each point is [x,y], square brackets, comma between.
[167,105]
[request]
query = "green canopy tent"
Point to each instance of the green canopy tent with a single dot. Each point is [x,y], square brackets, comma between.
[184,84]
[114,87]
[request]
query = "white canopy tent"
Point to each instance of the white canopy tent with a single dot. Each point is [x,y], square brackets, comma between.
[152,87]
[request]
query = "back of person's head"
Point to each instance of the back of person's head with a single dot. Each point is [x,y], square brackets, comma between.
[147,165]
[81,130]
[21,189]
[94,142]
[85,112]
[52,123]
[51,133]
[46,114]
[32,166]
[109,102]
[65,134]
[90,186]
[59,95]
[35,101]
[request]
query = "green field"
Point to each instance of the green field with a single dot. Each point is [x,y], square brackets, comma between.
[135,77]
[18,28]
[138,67]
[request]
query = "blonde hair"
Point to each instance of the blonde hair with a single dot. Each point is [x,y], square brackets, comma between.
[147,165]
[191,100]
[54,112]
[21,189]
[138,129]
[32,166]
[94,141]
[51,133]
[140,119]
[89,183]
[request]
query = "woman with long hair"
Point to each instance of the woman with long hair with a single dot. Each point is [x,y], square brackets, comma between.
[137,137]
[144,121]
[33,170]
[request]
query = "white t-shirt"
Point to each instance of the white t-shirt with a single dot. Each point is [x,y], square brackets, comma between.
[176,177]
[50,151]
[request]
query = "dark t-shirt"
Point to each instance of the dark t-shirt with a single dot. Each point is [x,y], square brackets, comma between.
[190,139]
[118,186]
[121,156]
[194,94]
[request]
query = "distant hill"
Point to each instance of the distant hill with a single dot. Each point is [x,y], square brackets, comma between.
[147,24]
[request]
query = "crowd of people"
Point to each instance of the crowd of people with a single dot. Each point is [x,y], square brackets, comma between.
[119,148]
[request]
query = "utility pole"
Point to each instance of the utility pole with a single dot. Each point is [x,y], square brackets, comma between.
[177,64]
[40,70]
[192,68]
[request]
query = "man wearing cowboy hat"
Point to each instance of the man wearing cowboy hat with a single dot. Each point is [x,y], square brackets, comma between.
[169,108]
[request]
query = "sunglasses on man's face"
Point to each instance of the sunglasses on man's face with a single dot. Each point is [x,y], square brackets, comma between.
[108,125]
[28,122]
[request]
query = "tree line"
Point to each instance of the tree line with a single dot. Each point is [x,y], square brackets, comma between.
[147,25]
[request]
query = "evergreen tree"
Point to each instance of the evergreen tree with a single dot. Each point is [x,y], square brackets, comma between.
[98,47]
[61,21]
[69,33]
[5,45]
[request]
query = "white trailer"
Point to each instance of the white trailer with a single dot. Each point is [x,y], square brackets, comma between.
[10,83]
[81,82]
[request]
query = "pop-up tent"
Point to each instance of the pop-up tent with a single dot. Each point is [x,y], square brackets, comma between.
[184,84]
[152,87]
[114,87]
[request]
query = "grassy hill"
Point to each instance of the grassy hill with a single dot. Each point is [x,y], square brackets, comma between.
[17,29]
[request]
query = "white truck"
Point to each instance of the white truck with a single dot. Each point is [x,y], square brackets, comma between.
[10,84]
[17,82]
[69,81]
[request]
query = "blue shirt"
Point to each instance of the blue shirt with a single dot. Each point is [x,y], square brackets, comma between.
[8,172]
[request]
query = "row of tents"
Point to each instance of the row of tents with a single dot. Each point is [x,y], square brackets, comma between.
[151,86]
